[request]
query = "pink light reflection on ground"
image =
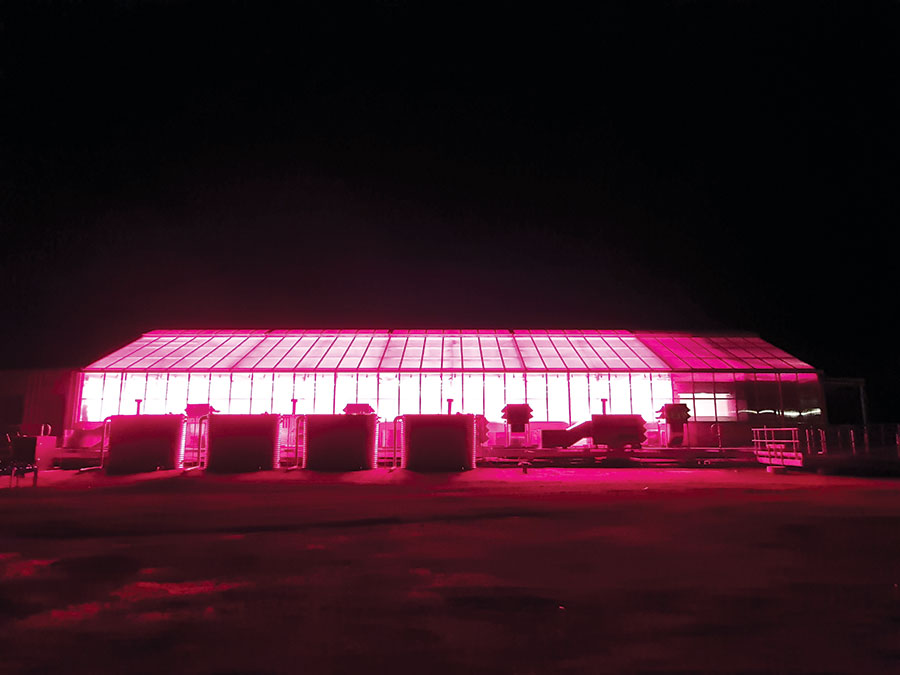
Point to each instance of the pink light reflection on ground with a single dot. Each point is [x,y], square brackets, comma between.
[123,600]
[16,567]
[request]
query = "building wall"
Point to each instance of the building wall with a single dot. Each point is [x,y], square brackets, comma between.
[758,398]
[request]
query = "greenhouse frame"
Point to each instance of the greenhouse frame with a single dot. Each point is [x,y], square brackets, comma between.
[564,375]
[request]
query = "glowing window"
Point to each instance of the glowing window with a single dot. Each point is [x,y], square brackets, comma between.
[409,394]
[537,395]
[239,401]
[324,396]
[261,394]
[176,393]
[558,397]
[494,396]
[282,393]
[451,387]
[473,393]
[388,396]
[578,397]
[344,391]
[431,394]
[112,389]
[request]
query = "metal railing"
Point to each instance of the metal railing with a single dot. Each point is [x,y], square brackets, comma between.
[881,440]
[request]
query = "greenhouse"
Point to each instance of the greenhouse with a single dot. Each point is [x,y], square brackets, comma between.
[564,375]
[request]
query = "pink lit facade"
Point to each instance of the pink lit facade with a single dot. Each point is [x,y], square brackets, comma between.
[565,375]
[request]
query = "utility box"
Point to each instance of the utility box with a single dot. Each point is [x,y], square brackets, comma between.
[438,442]
[618,431]
[340,442]
[242,443]
[142,443]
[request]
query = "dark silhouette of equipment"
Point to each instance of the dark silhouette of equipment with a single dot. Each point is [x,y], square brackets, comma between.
[674,415]
[619,431]
[340,442]
[358,409]
[616,432]
[481,429]
[20,459]
[517,416]
[438,442]
[242,443]
[141,443]
[565,438]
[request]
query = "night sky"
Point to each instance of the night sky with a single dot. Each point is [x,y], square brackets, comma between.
[653,165]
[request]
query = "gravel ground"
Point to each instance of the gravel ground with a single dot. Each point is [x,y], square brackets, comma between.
[492,571]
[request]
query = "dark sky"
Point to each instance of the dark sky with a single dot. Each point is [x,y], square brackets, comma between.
[689,165]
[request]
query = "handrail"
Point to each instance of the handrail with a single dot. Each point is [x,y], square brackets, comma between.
[103,437]
[394,458]
[200,421]
[296,465]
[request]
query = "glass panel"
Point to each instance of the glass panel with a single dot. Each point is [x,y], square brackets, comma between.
[529,353]
[239,401]
[288,354]
[324,397]
[394,352]
[176,393]
[490,351]
[661,384]
[598,384]
[91,396]
[374,352]
[790,396]
[388,396]
[536,389]
[548,353]
[345,391]
[261,394]
[133,388]
[357,349]
[567,352]
[314,352]
[558,397]
[128,350]
[473,393]
[515,388]
[305,393]
[336,352]
[810,397]
[412,357]
[367,389]
[409,394]
[579,400]
[451,387]
[431,393]
[220,351]
[256,354]
[471,354]
[282,393]
[155,404]
[510,356]
[494,396]
[198,388]
[239,352]
[452,356]
[112,391]
[431,357]
[642,397]
[219,391]
[619,394]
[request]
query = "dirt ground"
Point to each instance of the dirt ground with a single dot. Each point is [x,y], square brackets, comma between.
[492,571]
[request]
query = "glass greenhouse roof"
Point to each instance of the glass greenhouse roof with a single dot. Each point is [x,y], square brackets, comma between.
[443,350]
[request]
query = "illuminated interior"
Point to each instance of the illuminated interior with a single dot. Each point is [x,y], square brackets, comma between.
[564,375]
